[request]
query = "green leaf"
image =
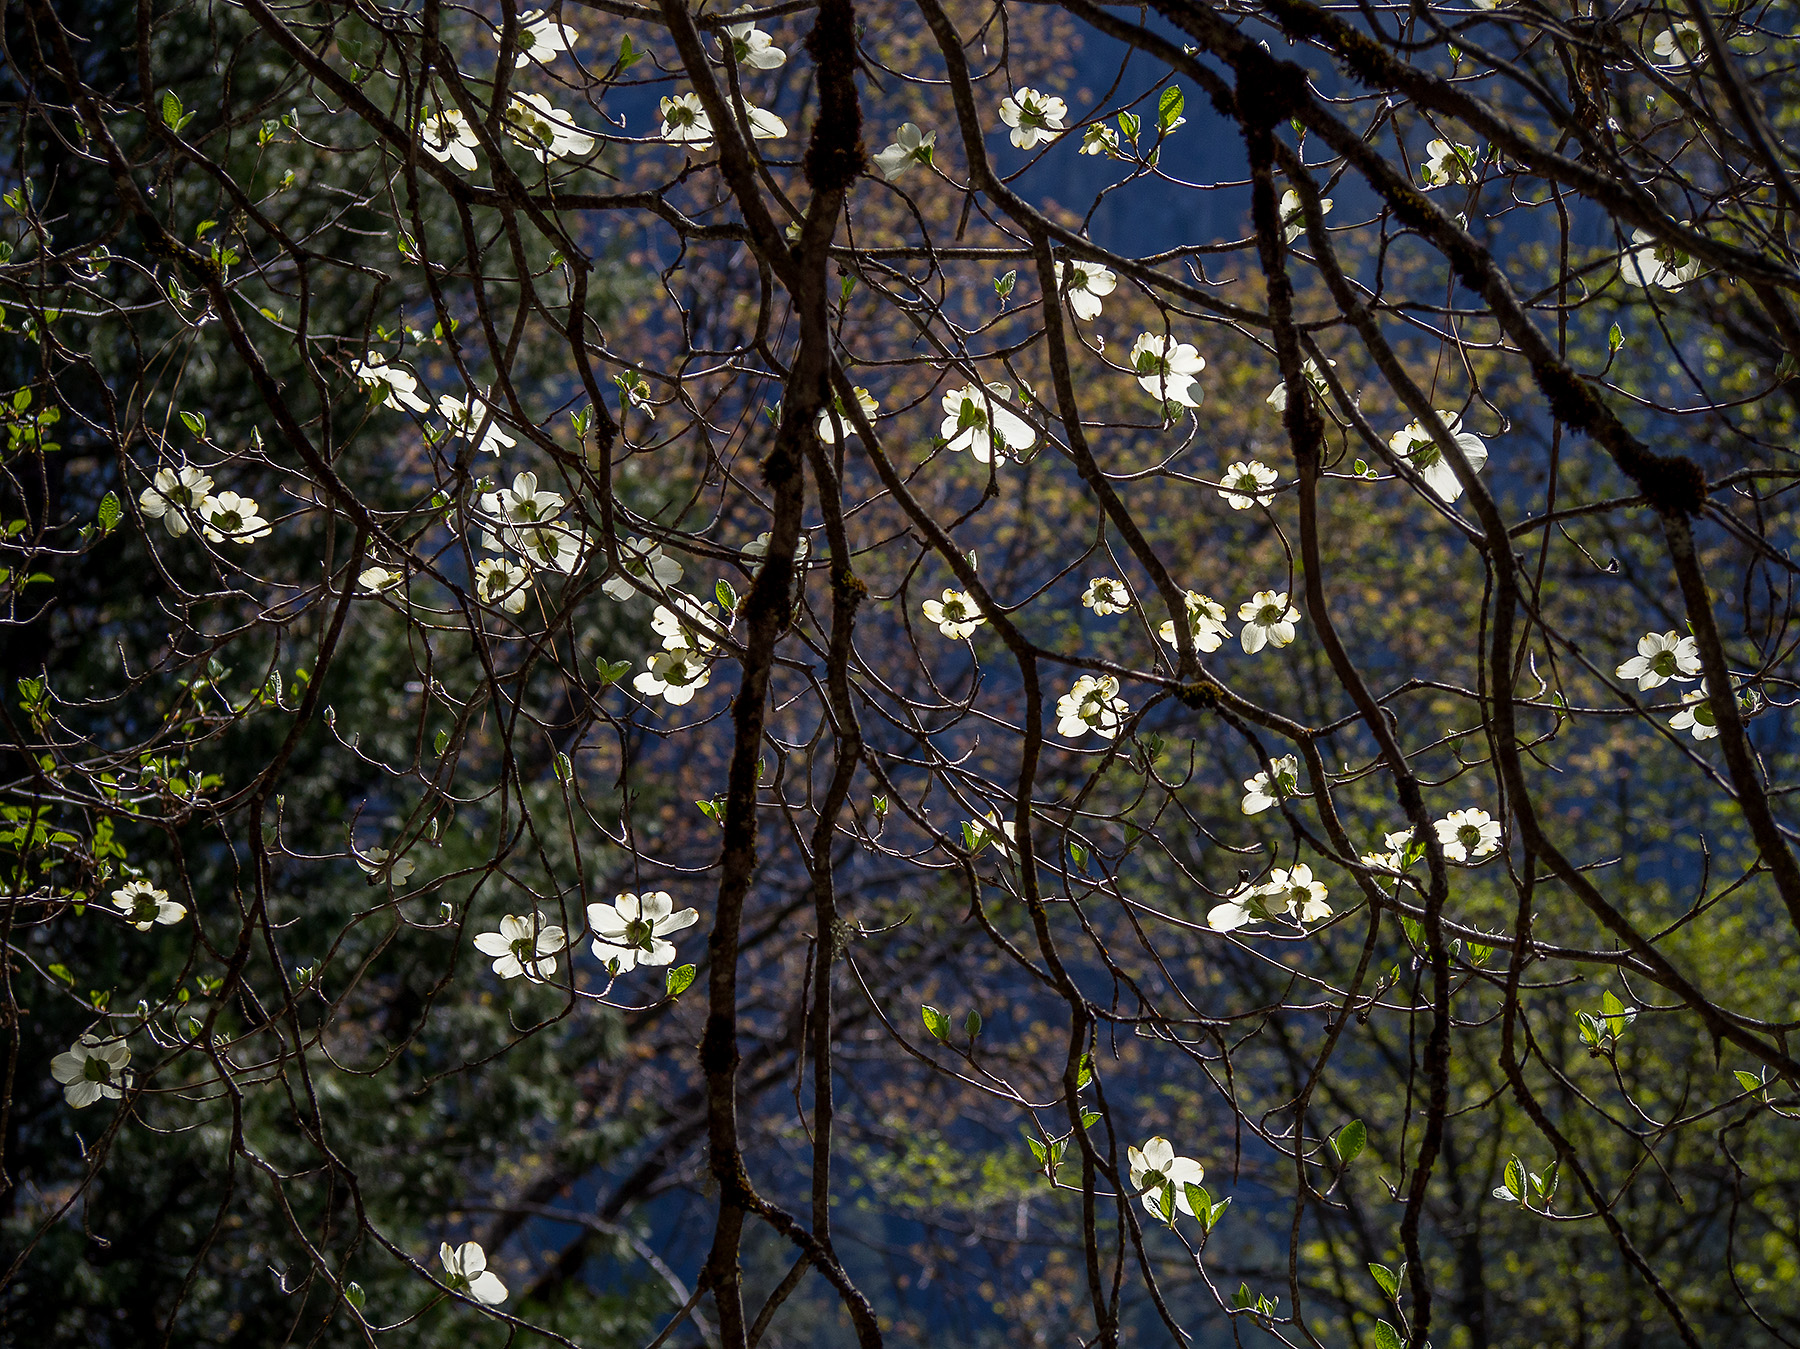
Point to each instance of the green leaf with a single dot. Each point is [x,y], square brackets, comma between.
[110,513]
[1388,1281]
[726,596]
[935,1021]
[611,672]
[972,1024]
[564,769]
[678,980]
[1168,108]
[64,973]
[1515,1179]
[1350,1142]
[1614,339]
[1088,1118]
[1128,125]
[629,55]
[354,1295]
[443,738]
[1748,1081]
[1084,1071]
[880,806]
[171,109]
[1386,1337]
[1003,285]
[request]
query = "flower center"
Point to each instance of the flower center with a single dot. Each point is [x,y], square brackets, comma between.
[523,950]
[229,521]
[97,1070]
[1469,835]
[1663,663]
[638,932]
[144,909]
[972,415]
[1267,615]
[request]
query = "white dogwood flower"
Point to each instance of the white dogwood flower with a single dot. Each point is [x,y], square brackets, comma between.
[524,503]
[1086,282]
[1293,215]
[229,516]
[1650,262]
[465,416]
[1447,162]
[752,47]
[1416,446]
[1247,484]
[977,420]
[1295,891]
[827,424]
[1106,596]
[398,387]
[632,930]
[502,583]
[910,146]
[1662,656]
[644,559]
[1099,138]
[374,580]
[1034,118]
[144,906]
[523,946]
[1242,907]
[1093,705]
[540,38]
[1696,715]
[545,131]
[956,615]
[1468,835]
[1166,368]
[1260,794]
[1267,617]
[92,1069]
[1206,620]
[687,623]
[466,1271]
[1679,46]
[1309,370]
[448,138]
[686,122]
[173,495]
[1155,1169]
[675,675]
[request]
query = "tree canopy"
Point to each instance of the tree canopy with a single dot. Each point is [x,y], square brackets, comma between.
[860,672]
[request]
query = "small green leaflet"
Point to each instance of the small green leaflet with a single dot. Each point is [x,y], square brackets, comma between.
[1514,1188]
[1748,1081]
[1350,1142]
[110,512]
[611,671]
[1003,285]
[1388,1281]
[726,596]
[972,1024]
[1386,1337]
[354,1295]
[1168,109]
[678,980]
[195,422]
[1614,339]
[935,1021]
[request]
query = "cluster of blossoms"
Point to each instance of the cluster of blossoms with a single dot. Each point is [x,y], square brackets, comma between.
[1665,656]
[180,496]
[1093,704]
[631,931]
[1469,835]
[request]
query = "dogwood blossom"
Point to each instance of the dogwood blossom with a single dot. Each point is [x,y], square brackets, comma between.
[540,38]
[523,946]
[1206,620]
[1297,892]
[1240,908]
[229,516]
[827,426]
[675,674]
[1267,617]
[631,931]
[1093,705]
[1034,118]
[397,386]
[448,138]
[1679,46]
[374,862]
[1315,379]
[545,131]
[1650,262]
[465,417]
[374,580]
[1393,856]
[524,503]
[759,546]
[1166,368]
[688,623]
[1447,162]
[1662,656]
[1468,835]
[910,146]
[466,1271]
[555,547]
[1293,214]
[956,615]
[644,559]
[144,906]
[1106,596]
[92,1069]
[1416,446]
[502,583]
[686,121]
[1155,1168]
[173,494]
[991,830]
[976,420]
[1099,138]
[1085,283]
[1260,795]
[752,47]
[1696,715]
[1247,484]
